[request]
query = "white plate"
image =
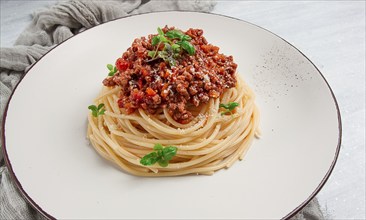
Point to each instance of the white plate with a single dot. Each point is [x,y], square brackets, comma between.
[64,177]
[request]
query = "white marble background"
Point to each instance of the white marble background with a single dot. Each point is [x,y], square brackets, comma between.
[332,35]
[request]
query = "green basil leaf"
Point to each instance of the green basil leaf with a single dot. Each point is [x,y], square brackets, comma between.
[97,110]
[230,106]
[169,152]
[100,106]
[224,106]
[173,34]
[163,163]
[101,112]
[110,66]
[161,154]
[233,105]
[155,40]
[176,48]
[188,47]
[186,38]
[151,54]
[92,107]
[177,34]
[158,147]
[161,32]
[149,159]
[163,39]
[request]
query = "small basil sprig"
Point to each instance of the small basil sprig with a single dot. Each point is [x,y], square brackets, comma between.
[160,38]
[183,40]
[161,155]
[229,107]
[96,111]
[171,51]
[169,54]
[177,34]
[112,69]
[187,47]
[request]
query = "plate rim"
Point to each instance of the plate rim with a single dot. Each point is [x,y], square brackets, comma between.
[288,216]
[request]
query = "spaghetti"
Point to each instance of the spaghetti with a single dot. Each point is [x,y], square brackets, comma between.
[170,89]
[210,142]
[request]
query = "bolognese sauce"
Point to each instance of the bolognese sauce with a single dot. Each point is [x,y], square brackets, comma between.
[172,80]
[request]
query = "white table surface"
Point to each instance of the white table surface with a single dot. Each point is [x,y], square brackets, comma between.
[332,35]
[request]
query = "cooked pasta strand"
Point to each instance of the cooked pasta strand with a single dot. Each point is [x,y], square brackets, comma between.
[208,143]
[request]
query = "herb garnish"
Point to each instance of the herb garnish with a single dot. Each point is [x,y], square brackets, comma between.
[175,42]
[230,106]
[161,154]
[96,111]
[112,70]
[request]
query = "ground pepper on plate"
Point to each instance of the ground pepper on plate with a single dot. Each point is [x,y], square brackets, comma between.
[160,75]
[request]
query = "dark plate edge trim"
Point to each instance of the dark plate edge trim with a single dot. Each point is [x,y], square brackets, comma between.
[327,175]
[288,216]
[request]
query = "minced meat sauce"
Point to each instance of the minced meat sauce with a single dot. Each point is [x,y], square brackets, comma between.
[153,84]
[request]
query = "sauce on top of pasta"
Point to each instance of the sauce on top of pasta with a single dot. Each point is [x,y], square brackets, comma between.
[172,69]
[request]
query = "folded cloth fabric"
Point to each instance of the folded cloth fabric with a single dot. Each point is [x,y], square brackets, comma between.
[52,26]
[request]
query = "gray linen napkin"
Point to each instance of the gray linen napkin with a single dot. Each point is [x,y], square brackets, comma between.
[50,27]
